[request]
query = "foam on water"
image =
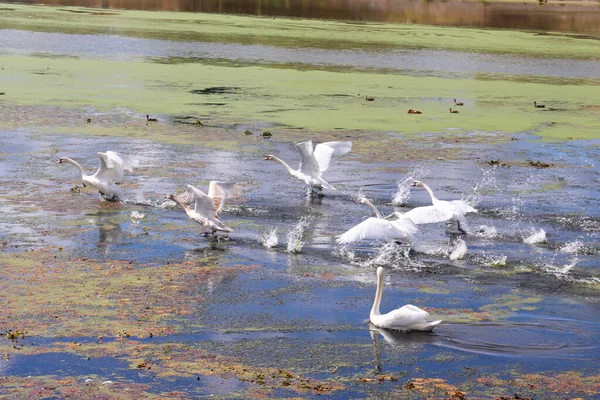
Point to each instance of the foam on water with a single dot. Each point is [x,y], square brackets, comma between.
[488,232]
[573,247]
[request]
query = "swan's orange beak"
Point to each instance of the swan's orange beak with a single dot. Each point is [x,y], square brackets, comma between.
[413,184]
[59,161]
[267,158]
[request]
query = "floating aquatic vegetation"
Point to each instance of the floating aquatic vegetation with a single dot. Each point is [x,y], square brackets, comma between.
[294,236]
[269,239]
[498,262]
[536,237]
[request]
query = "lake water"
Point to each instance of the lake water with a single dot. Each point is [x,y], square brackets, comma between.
[518,297]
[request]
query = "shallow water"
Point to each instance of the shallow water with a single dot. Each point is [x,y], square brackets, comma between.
[80,272]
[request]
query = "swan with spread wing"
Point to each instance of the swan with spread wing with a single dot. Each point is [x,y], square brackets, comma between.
[207,207]
[313,162]
[440,210]
[109,173]
[395,226]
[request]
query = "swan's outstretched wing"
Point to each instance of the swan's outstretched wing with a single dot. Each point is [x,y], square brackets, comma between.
[429,214]
[127,162]
[219,191]
[403,223]
[308,163]
[373,228]
[203,204]
[109,170]
[324,151]
[462,207]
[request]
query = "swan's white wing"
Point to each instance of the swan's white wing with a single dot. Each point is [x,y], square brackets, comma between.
[372,228]
[219,191]
[462,206]
[429,214]
[401,318]
[324,151]
[109,171]
[403,223]
[308,163]
[127,162]
[203,204]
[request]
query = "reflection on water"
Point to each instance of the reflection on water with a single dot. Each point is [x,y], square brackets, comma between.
[583,17]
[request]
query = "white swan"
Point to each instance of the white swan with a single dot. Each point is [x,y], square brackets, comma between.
[405,318]
[440,211]
[395,226]
[110,172]
[207,207]
[313,162]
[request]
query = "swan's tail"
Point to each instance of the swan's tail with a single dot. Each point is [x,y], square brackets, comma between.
[425,326]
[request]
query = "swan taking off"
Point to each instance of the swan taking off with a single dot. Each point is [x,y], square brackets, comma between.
[440,211]
[395,226]
[207,207]
[110,172]
[313,162]
[405,318]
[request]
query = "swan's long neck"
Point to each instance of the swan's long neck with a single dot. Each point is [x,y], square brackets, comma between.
[378,294]
[377,213]
[290,169]
[75,163]
[433,198]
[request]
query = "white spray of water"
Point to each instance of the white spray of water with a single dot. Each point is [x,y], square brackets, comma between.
[137,215]
[561,272]
[498,262]
[459,250]
[536,237]
[294,236]
[391,254]
[403,194]
[573,247]
[487,182]
[269,239]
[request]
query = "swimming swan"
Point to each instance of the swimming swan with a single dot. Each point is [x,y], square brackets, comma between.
[395,226]
[110,172]
[313,162]
[207,207]
[440,211]
[405,318]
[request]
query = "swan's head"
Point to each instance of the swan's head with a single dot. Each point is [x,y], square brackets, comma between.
[379,271]
[417,183]
[60,160]
[269,157]
[361,200]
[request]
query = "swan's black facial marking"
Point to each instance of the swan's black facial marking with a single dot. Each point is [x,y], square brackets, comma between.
[267,157]
[60,160]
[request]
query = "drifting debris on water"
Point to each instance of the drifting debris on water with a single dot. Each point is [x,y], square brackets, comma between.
[294,236]
[536,238]
[248,132]
[267,134]
[269,239]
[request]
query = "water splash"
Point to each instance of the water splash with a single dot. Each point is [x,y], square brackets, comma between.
[488,232]
[390,255]
[536,237]
[137,215]
[403,193]
[573,247]
[294,236]
[269,239]
[498,262]
[562,271]
[487,183]
[459,250]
